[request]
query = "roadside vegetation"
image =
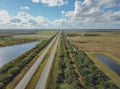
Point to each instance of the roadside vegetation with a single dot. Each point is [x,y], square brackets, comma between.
[9,71]
[35,78]
[92,76]
[109,72]
[66,77]
[51,84]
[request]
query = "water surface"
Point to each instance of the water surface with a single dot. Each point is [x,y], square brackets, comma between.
[109,62]
[10,52]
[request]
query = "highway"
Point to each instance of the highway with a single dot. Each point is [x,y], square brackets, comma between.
[25,80]
[45,74]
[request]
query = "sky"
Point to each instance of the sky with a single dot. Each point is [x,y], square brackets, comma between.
[59,14]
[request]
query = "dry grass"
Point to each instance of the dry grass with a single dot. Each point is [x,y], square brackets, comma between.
[109,42]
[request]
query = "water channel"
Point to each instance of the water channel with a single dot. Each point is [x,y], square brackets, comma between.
[8,53]
[109,62]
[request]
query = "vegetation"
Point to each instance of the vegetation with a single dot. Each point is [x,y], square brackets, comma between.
[9,71]
[108,43]
[109,72]
[72,35]
[47,32]
[35,78]
[7,37]
[92,76]
[13,41]
[66,77]
[92,34]
[18,37]
[51,84]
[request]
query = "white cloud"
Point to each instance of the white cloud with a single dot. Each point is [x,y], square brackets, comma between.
[35,1]
[88,13]
[25,8]
[113,5]
[52,2]
[105,2]
[4,17]
[22,20]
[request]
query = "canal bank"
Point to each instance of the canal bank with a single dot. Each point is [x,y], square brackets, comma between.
[103,67]
[9,53]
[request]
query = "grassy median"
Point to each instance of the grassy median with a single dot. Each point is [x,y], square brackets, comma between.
[51,84]
[34,80]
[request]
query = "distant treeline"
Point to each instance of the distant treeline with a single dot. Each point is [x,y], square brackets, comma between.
[86,34]
[92,34]
[72,35]
[10,33]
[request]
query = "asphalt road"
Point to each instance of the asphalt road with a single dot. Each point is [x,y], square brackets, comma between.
[25,80]
[44,76]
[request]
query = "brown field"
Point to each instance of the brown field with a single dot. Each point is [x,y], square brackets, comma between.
[98,42]
[107,42]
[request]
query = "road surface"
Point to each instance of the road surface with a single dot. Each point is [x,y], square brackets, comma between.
[25,80]
[44,76]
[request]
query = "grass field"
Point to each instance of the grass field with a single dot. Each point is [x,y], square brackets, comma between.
[105,42]
[47,32]
[12,38]
[99,42]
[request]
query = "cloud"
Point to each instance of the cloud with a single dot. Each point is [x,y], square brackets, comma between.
[86,14]
[61,23]
[22,20]
[25,8]
[4,17]
[106,2]
[113,5]
[89,13]
[35,1]
[52,2]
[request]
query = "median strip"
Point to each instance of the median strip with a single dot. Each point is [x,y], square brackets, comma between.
[24,81]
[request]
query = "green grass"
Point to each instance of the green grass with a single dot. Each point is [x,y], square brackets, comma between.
[47,32]
[12,84]
[37,37]
[54,70]
[110,55]
[14,41]
[112,75]
[25,38]
[33,82]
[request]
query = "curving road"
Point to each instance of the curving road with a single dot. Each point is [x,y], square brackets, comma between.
[44,76]
[25,80]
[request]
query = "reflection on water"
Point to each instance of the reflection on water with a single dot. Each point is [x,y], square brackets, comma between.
[10,52]
[113,65]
